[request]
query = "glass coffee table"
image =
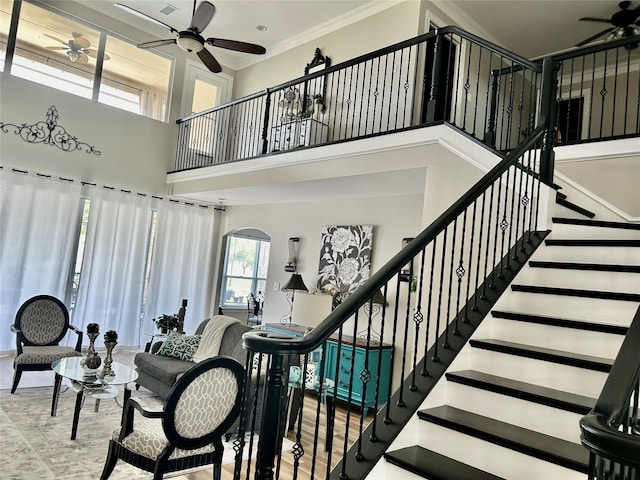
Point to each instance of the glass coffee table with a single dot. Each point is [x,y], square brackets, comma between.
[89,383]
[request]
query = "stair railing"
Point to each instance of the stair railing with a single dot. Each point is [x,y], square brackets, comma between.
[432,295]
[447,75]
[611,431]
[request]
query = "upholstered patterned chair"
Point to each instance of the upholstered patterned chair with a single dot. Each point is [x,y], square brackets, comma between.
[40,325]
[200,408]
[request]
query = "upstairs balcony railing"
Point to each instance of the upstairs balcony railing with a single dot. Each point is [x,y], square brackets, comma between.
[446,75]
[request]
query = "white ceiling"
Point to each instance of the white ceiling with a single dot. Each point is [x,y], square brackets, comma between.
[530,28]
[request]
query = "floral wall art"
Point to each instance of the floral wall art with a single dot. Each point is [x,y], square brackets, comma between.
[345,259]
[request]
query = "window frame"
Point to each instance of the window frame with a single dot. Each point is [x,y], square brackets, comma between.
[97,76]
[255,278]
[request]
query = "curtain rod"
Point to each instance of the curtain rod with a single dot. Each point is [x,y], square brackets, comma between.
[122,190]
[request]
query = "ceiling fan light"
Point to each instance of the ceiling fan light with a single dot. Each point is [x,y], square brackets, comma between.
[73,55]
[189,43]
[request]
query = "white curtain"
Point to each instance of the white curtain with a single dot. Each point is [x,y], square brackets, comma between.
[182,263]
[38,219]
[113,267]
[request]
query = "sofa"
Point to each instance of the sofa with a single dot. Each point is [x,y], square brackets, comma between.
[158,373]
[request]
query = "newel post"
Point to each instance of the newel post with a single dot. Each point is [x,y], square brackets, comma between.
[265,125]
[436,91]
[547,119]
[270,425]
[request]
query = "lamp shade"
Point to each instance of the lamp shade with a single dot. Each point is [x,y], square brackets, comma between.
[295,283]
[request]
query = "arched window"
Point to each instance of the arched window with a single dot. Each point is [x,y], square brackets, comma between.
[245,267]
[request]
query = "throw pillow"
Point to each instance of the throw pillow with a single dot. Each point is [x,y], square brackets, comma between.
[180,346]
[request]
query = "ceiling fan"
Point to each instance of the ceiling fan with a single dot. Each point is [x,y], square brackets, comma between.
[76,48]
[191,39]
[623,24]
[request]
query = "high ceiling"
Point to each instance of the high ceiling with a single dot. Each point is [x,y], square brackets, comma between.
[530,28]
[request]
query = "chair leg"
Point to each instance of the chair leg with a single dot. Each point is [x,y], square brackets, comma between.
[110,464]
[16,378]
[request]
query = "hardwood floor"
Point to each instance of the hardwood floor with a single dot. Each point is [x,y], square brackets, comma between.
[313,445]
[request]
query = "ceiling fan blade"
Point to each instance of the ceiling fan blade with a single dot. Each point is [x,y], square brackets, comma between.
[146,17]
[57,48]
[591,39]
[82,59]
[55,38]
[79,40]
[209,60]
[236,45]
[593,19]
[156,43]
[93,53]
[202,16]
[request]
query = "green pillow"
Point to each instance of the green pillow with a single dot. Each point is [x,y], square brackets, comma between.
[178,345]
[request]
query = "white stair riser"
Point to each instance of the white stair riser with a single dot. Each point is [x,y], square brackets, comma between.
[572,340]
[580,279]
[547,374]
[384,470]
[586,232]
[489,457]
[540,418]
[604,255]
[611,312]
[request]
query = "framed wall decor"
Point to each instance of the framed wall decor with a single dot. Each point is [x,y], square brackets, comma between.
[345,259]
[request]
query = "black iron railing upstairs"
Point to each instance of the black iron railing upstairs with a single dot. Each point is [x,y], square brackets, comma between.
[379,364]
[445,75]
[611,431]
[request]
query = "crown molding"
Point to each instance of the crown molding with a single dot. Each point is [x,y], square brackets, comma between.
[355,15]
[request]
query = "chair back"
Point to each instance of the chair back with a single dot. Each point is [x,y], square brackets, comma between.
[203,403]
[42,320]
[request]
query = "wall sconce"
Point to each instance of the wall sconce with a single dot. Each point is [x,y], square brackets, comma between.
[405,273]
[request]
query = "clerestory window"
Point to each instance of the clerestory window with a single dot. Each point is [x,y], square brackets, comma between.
[83,60]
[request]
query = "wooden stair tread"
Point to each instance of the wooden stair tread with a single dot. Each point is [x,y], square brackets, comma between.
[545,447]
[595,267]
[570,402]
[561,322]
[434,466]
[588,242]
[561,199]
[545,354]
[595,223]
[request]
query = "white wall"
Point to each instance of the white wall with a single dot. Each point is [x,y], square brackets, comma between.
[136,152]
[392,218]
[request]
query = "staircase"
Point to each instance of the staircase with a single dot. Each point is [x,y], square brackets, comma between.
[510,403]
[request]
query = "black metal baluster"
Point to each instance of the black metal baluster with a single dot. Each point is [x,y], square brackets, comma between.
[354,100]
[467,86]
[475,296]
[387,416]
[460,273]
[491,107]
[384,91]
[525,200]
[603,92]
[510,110]
[425,370]
[374,436]
[417,320]
[504,224]
[495,236]
[615,91]
[488,242]
[407,86]
[376,94]
[365,378]
[436,359]
[626,93]
[395,121]
[517,224]
[470,262]
[406,334]
[454,111]
[446,344]
[366,117]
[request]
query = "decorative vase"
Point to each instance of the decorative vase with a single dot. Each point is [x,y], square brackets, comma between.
[92,361]
[108,360]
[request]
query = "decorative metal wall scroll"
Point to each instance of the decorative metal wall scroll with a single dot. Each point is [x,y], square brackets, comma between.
[49,133]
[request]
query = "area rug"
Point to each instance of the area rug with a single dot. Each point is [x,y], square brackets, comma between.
[35,445]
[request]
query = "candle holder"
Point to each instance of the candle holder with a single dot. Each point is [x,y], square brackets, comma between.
[110,341]
[92,360]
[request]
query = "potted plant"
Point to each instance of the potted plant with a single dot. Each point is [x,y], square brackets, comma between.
[318,99]
[166,323]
